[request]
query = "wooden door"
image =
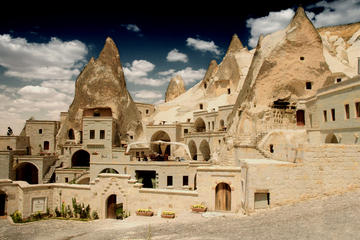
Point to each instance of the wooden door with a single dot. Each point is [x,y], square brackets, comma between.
[111,206]
[300,117]
[223,197]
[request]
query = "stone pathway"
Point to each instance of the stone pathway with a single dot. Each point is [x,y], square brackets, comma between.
[334,217]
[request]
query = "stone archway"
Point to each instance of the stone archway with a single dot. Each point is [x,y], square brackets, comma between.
[111,206]
[109,170]
[28,172]
[200,125]
[192,149]
[3,198]
[223,197]
[161,149]
[80,158]
[331,138]
[205,150]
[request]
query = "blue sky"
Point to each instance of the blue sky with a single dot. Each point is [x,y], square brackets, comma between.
[42,52]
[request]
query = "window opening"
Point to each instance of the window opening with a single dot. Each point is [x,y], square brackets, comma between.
[308,85]
[229,91]
[271,148]
[325,115]
[46,145]
[333,114]
[102,134]
[201,106]
[92,134]
[357,108]
[169,180]
[40,131]
[347,111]
[185,180]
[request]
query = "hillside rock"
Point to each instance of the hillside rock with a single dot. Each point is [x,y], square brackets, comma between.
[175,88]
[102,84]
[282,65]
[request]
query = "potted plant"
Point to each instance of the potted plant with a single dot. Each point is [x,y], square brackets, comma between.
[168,214]
[144,212]
[198,208]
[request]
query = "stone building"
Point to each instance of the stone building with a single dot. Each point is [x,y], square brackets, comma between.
[264,128]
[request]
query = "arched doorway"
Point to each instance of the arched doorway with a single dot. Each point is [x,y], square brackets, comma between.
[71,134]
[200,125]
[193,149]
[109,170]
[205,150]
[223,197]
[111,206]
[222,125]
[81,158]
[27,172]
[162,149]
[2,203]
[331,138]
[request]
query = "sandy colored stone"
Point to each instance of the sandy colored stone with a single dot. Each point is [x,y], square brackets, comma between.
[175,88]
[102,84]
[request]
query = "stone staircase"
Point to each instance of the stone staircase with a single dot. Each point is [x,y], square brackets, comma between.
[47,177]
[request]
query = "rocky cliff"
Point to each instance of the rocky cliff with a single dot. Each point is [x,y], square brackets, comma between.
[288,65]
[102,84]
[175,88]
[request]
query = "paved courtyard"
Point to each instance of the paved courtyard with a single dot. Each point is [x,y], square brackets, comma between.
[333,217]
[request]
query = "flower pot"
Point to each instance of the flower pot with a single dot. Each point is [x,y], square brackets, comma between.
[199,209]
[168,215]
[147,213]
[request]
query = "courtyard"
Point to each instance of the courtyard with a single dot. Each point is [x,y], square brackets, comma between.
[331,217]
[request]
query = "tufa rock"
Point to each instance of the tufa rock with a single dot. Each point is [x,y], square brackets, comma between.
[235,44]
[102,85]
[175,88]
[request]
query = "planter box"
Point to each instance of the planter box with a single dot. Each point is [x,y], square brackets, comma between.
[199,209]
[148,214]
[168,216]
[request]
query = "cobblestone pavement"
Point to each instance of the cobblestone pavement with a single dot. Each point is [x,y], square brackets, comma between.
[333,217]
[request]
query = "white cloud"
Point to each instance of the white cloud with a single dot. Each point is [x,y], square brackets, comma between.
[176,56]
[64,86]
[333,13]
[137,73]
[337,12]
[131,27]
[188,74]
[168,72]
[268,24]
[203,46]
[53,60]
[147,94]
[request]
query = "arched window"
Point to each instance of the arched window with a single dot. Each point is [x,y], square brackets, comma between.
[71,134]
[81,158]
[200,125]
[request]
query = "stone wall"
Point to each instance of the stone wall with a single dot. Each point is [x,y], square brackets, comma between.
[319,170]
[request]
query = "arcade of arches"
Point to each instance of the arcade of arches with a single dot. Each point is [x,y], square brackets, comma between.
[81,158]
[27,172]
[205,150]
[193,149]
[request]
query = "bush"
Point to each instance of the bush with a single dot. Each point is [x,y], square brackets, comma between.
[69,213]
[17,217]
[57,212]
[198,206]
[95,215]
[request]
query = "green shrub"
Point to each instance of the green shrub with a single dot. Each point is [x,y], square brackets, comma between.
[17,217]
[69,213]
[57,212]
[95,215]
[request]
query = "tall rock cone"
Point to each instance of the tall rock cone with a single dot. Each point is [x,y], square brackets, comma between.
[102,84]
[213,67]
[235,44]
[175,88]
[294,60]
[288,65]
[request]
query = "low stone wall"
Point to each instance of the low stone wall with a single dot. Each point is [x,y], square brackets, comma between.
[319,170]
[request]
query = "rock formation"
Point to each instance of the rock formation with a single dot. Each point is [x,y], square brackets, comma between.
[102,84]
[288,65]
[231,72]
[175,88]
